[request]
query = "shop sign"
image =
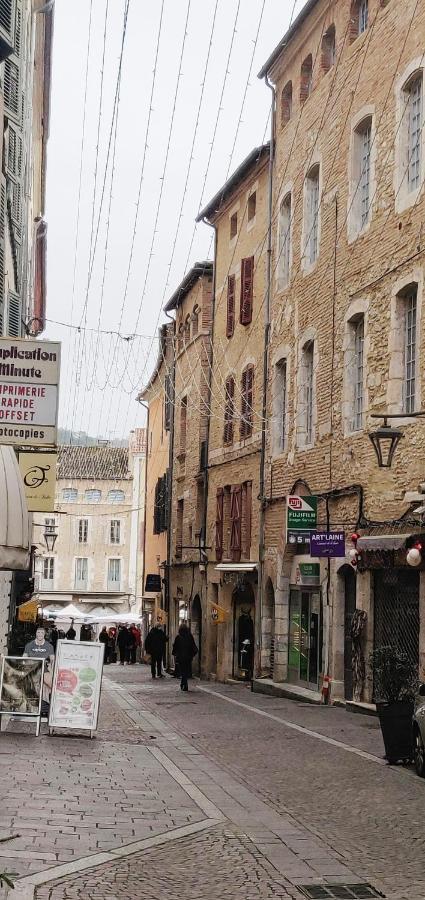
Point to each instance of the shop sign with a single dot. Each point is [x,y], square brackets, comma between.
[153,584]
[327,543]
[21,686]
[38,472]
[308,574]
[76,685]
[218,615]
[29,385]
[27,612]
[301,518]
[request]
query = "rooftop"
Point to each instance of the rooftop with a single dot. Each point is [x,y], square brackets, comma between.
[198,270]
[234,181]
[98,463]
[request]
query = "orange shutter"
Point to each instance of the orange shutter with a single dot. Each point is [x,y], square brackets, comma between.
[230,323]
[247,290]
[229,411]
[236,522]
[219,525]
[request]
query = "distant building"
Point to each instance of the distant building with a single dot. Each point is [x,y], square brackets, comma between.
[95,563]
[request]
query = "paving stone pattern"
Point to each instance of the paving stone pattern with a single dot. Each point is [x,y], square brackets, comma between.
[68,797]
[216,865]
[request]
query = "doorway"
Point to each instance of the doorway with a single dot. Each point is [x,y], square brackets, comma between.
[243,631]
[396,614]
[305,637]
[350,583]
[268,629]
[196,623]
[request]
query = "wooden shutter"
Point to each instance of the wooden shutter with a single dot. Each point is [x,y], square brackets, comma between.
[156,509]
[247,284]
[219,525]
[247,518]
[247,396]
[236,522]
[229,411]
[231,290]
[14,324]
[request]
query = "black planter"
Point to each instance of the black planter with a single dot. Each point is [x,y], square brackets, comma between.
[396,726]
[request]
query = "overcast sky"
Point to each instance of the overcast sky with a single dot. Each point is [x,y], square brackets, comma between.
[227,39]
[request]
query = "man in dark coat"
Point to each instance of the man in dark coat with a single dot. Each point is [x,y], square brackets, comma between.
[123,641]
[184,650]
[155,645]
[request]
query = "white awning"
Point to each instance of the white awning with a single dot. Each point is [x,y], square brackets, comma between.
[14,522]
[236,567]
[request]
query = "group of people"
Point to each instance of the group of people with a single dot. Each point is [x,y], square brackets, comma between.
[184,651]
[128,640]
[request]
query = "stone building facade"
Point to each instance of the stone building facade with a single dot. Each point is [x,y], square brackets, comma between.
[158,399]
[192,304]
[347,335]
[94,563]
[238,213]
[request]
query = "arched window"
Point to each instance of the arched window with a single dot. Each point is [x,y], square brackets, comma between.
[311,213]
[93,496]
[328,49]
[69,495]
[195,321]
[187,329]
[180,339]
[116,496]
[362,175]
[284,243]
[286,103]
[306,83]
[359,16]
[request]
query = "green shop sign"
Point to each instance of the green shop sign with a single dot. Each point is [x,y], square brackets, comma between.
[301,518]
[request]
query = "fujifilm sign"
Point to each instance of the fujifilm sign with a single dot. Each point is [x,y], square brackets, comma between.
[29,387]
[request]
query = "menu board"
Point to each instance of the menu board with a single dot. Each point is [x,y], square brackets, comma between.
[21,686]
[77,679]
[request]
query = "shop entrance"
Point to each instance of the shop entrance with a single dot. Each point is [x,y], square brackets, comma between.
[305,637]
[349,576]
[196,624]
[243,631]
[396,613]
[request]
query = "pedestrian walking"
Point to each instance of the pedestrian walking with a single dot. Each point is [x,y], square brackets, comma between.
[138,640]
[104,639]
[71,634]
[131,647]
[155,645]
[123,645]
[184,651]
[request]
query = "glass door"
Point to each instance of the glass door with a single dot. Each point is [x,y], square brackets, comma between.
[305,638]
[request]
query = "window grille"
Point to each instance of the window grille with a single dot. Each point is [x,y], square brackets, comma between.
[410,352]
[414,104]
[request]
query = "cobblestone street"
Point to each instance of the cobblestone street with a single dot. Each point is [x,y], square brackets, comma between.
[216,793]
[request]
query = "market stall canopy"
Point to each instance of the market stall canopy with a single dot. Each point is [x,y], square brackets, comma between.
[71,612]
[14,524]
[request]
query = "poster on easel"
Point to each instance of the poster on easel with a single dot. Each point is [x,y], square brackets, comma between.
[77,679]
[21,688]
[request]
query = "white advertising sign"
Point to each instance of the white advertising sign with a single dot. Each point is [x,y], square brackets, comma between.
[74,701]
[29,385]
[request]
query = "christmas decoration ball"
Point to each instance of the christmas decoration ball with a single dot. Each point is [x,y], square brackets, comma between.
[414,557]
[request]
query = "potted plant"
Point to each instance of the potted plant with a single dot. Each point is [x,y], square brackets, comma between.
[395,682]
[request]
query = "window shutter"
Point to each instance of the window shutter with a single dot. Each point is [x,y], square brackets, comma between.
[247,497]
[247,392]
[11,88]
[14,324]
[229,411]
[2,250]
[231,290]
[236,522]
[219,525]
[247,284]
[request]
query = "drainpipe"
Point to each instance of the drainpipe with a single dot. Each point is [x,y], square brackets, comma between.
[170,491]
[262,497]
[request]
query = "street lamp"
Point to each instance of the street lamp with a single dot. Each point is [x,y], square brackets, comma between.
[386,438]
[50,537]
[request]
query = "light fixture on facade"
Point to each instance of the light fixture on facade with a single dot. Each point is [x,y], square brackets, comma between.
[385,440]
[50,537]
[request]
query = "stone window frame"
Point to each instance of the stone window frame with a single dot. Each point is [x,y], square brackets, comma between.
[308,266]
[357,309]
[281,355]
[404,198]
[283,282]
[396,343]
[355,228]
[253,189]
[308,338]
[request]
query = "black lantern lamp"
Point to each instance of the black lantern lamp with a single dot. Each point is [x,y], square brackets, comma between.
[385,440]
[50,536]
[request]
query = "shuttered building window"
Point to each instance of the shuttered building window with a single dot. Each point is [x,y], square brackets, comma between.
[247,290]
[229,411]
[247,397]
[219,525]
[230,322]
[236,523]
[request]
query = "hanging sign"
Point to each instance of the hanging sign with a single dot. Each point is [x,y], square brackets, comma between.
[38,472]
[29,385]
[301,518]
[76,685]
[218,615]
[327,543]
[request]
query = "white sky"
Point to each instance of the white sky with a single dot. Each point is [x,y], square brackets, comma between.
[101,374]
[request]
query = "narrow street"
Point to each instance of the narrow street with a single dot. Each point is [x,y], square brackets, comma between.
[216,793]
